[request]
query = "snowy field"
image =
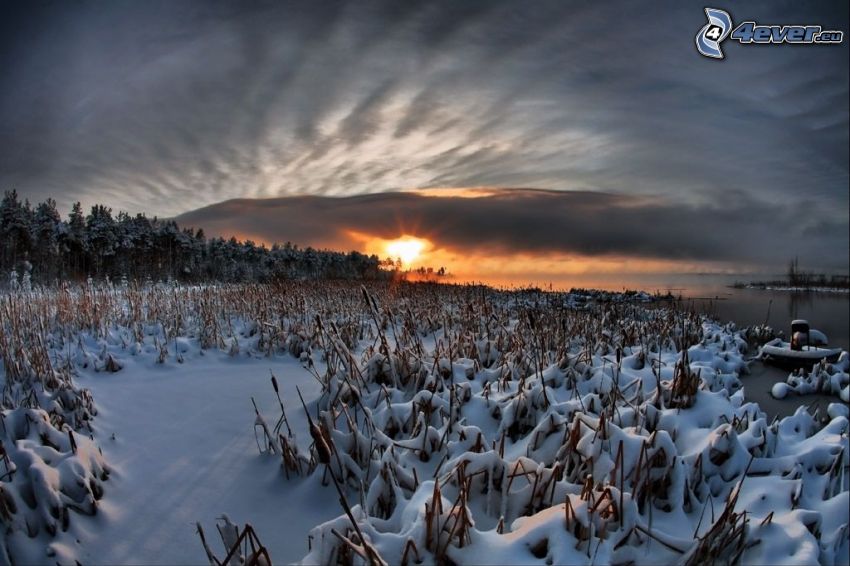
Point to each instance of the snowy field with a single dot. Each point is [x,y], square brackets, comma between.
[180,462]
[449,424]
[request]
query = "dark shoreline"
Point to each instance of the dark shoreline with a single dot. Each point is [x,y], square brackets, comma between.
[820,286]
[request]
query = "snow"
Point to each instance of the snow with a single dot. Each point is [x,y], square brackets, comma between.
[823,377]
[514,429]
[183,452]
[781,350]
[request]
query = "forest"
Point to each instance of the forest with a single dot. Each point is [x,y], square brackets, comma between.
[38,246]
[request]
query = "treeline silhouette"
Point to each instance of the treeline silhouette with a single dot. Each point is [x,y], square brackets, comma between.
[38,244]
[805,279]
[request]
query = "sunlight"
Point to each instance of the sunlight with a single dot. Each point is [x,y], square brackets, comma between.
[406,249]
[456,192]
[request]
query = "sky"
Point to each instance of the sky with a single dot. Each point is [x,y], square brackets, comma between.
[595,136]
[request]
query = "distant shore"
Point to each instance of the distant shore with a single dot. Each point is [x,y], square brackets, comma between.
[835,285]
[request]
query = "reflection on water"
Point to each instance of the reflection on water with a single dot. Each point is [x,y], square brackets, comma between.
[799,301]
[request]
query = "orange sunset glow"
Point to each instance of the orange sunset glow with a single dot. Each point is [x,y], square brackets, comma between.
[497,265]
[510,268]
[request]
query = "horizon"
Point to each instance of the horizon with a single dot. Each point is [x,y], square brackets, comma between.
[503,142]
[600,272]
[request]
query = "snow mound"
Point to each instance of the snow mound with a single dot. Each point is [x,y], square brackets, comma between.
[47,473]
[823,377]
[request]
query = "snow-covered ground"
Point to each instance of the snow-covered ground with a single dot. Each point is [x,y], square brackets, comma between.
[184,452]
[459,423]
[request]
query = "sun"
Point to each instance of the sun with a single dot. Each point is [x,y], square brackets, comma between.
[406,249]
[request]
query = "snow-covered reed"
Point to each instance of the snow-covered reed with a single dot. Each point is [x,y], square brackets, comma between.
[459,423]
[522,429]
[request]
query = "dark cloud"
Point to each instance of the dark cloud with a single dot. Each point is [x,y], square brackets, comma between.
[738,230]
[166,106]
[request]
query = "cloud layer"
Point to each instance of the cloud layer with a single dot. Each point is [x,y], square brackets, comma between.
[539,223]
[167,106]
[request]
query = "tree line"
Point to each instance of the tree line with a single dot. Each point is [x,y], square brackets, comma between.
[36,242]
[800,278]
